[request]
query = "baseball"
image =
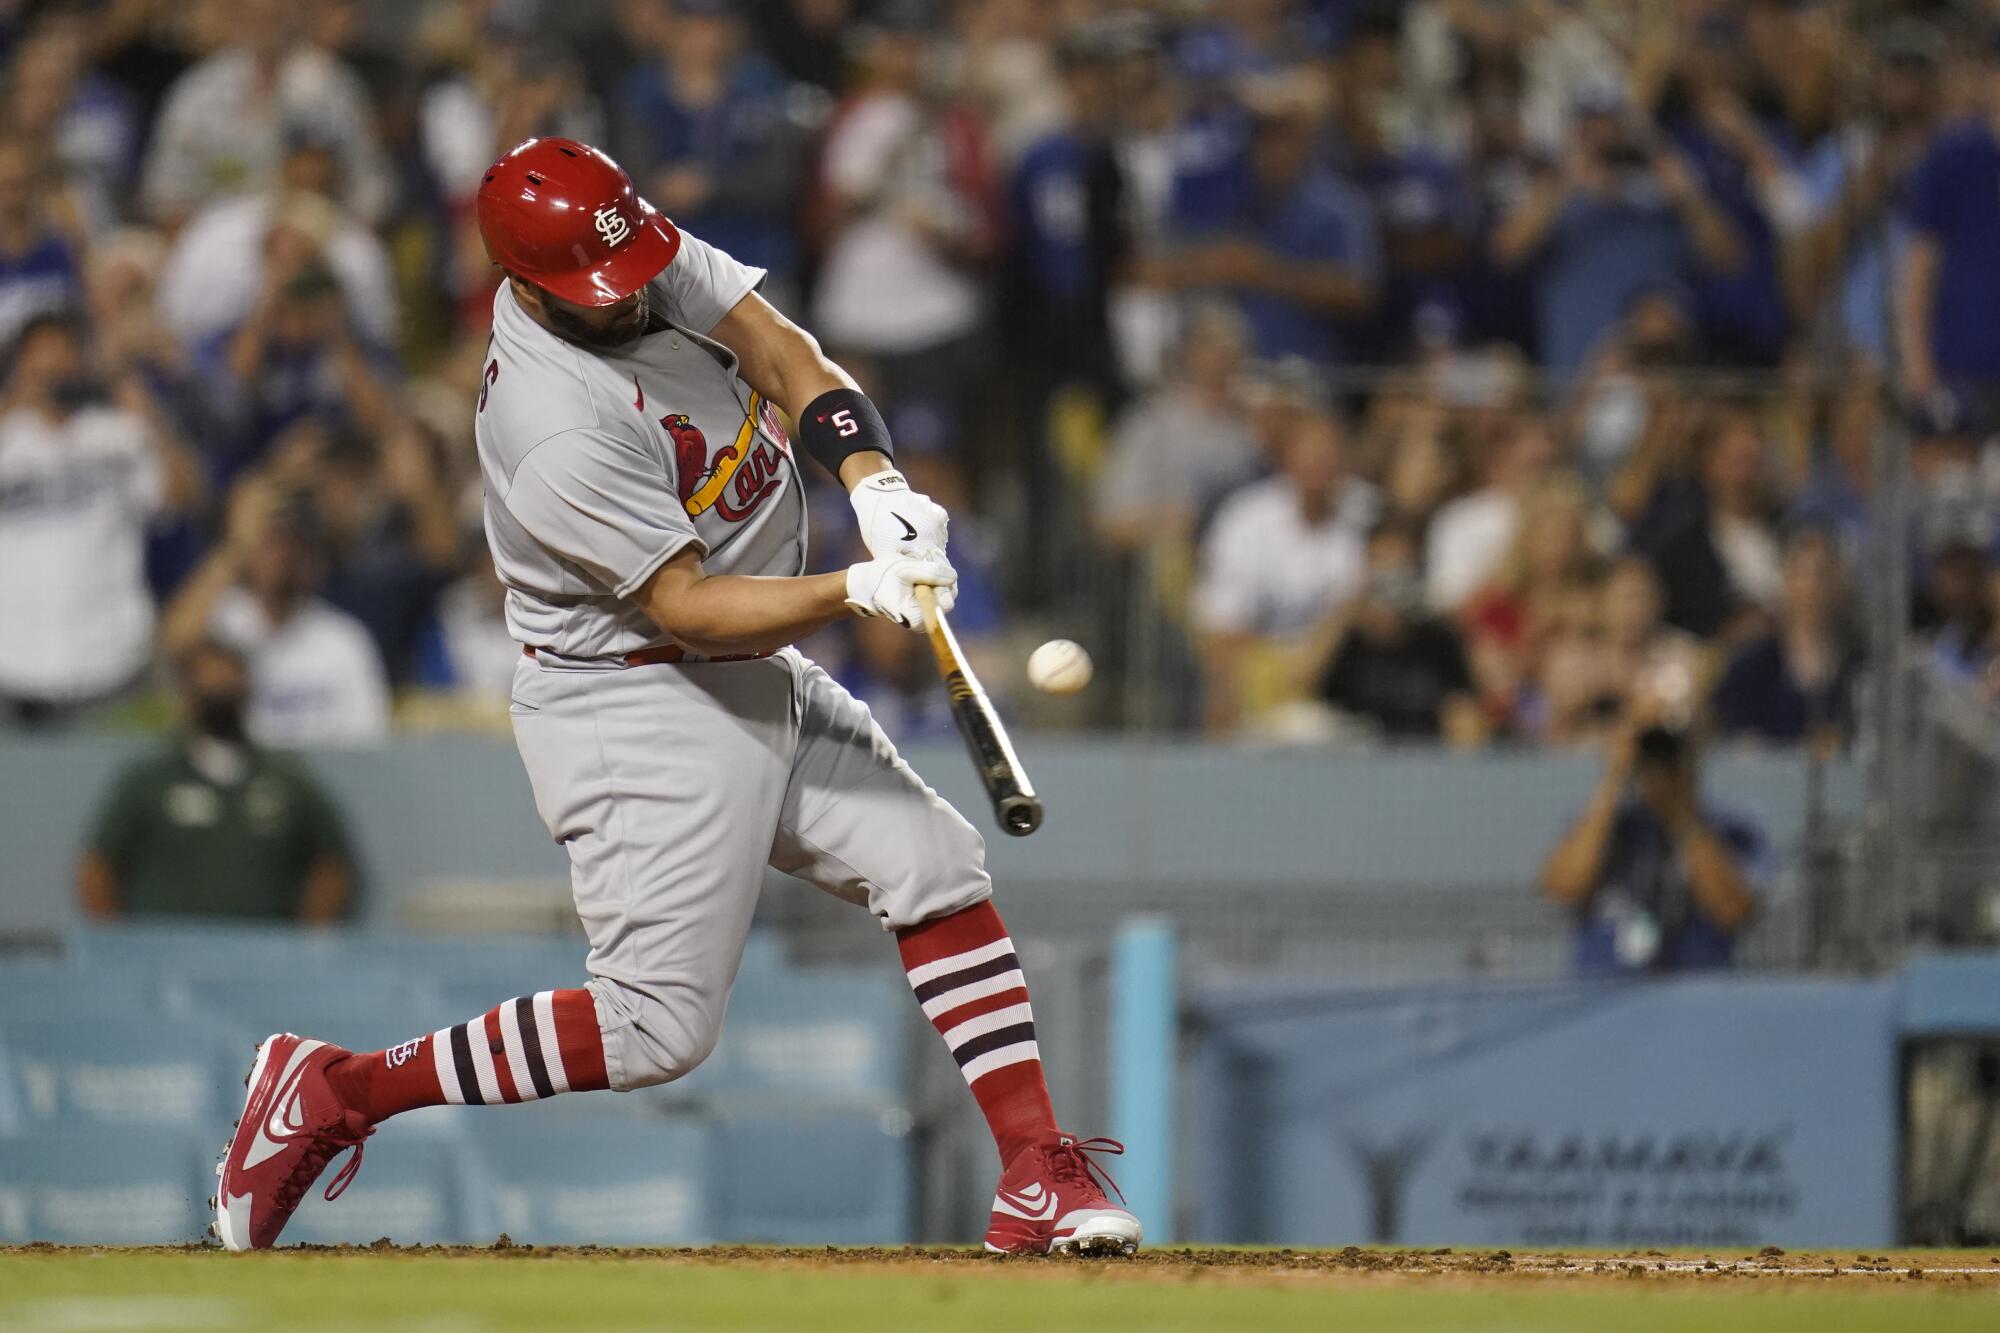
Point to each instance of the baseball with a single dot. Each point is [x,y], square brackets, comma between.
[1060,666]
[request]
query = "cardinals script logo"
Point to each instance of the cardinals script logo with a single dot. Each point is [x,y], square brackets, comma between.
[739,477]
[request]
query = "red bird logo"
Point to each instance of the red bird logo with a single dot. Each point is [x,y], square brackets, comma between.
[692,467]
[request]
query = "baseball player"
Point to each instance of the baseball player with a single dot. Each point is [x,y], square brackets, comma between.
[646,512]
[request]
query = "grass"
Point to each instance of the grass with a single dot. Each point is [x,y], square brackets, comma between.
[107,1291]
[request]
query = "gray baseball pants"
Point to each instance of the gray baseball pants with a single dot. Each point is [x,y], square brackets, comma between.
[672,786]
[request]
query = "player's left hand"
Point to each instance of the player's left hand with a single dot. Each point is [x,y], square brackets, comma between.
[887,588]
[897,521]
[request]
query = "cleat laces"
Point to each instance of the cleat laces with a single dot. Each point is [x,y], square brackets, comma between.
[326,1144]
[1070,1162]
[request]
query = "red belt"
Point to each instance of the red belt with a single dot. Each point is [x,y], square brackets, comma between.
[665,655]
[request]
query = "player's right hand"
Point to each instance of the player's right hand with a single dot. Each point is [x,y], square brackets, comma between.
[887,588]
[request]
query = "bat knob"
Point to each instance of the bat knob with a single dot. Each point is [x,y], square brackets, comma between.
[1020,815]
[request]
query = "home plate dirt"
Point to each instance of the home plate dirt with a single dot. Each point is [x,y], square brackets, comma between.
[1186,1262]
[511,1288]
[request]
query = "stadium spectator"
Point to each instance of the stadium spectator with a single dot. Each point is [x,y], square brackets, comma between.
[1961,593]
[1470,535]
[120,285]
[1795,682]
[1388,193]
[472,654]
[1292,243]
[85,466]
[801,35]
[1605,650]
[214,825]
[1282,554]
[1407,436]
[1744,165]
[1175,449]
[489,88]
[208,288]
[1392,663]
[1656,879]
[1067,213]
[388,535]
[1642,651]
[718,136]
[1706,520]
[1853,179]
[1500,169]
[1949,283]
[41,265]
[1544,590]
[294,356]
[1632,389]
[222,128]
[1840,475]
[89,123]
[1623,213]
[315,676]
[907,211]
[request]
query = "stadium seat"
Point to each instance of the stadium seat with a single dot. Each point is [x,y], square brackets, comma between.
[830,1036]
[35,990]
[78,1186]
[364,1009]
[144,1070]
[206,948]
[804,1178]
[551,1179]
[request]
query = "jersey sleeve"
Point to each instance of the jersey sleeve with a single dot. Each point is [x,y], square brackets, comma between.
[703,284]
[602,504]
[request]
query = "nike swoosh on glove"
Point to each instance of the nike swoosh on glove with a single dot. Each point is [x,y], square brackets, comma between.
[887,588]
[896,520]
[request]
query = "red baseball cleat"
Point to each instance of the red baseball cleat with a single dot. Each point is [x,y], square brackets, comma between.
[1050,1199]
[292,1126]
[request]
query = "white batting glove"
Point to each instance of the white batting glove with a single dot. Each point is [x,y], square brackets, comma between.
[896,520]
[887,588]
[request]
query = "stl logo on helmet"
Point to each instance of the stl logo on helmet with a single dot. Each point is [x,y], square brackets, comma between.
[612,226]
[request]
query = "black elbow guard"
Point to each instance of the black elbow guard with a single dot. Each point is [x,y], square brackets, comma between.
[841,422]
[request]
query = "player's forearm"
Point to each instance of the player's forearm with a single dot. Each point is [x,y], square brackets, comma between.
[721,614]
[776,357]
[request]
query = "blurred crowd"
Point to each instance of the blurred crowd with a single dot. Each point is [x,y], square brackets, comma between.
[1478,370]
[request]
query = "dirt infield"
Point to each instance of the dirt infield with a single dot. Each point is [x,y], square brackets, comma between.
[1283,1265]
[509,1288]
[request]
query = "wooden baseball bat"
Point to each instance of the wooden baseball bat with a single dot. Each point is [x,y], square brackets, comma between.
[1015,806]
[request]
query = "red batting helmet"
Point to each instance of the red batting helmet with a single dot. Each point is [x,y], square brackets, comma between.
[565,217]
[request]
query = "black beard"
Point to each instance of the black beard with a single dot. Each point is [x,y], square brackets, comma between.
[570,328]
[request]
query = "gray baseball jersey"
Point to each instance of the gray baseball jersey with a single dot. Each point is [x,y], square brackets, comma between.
[672,786]
[599,466]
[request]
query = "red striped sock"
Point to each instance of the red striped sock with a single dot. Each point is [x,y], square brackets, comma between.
[528,1048]
[963,970]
